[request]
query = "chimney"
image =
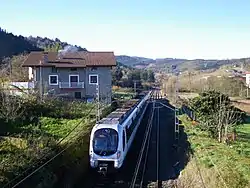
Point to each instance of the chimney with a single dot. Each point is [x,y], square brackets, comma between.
[45,57]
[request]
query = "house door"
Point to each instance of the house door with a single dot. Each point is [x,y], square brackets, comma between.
[73,80]
[78,95]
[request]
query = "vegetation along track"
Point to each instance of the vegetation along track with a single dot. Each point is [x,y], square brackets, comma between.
[151,157]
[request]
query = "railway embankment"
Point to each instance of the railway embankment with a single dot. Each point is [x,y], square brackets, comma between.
[213,163]
[51,154]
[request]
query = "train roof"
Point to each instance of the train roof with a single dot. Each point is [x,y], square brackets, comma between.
[120,114]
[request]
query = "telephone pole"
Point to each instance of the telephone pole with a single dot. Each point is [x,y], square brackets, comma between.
[176,72]
[98,102]
[135,86]
[40,81]
[247,89]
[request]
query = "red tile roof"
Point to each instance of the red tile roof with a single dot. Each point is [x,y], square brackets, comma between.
[76,59]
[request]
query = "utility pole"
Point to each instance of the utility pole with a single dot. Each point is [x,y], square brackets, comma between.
[11,70]
[40,81]
[176,108]
[135,86]
[98,102]
[241,88]
[189,79]
[176,99]
[247,89]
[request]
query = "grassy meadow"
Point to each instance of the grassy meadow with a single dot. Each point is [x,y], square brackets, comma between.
[219,165]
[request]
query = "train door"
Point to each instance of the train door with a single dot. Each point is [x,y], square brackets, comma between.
[124,141]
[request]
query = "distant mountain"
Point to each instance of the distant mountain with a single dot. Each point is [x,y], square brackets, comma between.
[165,64]
[133,61]
[13,45]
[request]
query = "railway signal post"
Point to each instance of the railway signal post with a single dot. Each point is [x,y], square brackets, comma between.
[176,72]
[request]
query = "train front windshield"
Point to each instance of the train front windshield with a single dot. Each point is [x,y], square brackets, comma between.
[105,142]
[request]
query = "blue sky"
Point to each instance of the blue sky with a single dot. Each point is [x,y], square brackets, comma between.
[150,28]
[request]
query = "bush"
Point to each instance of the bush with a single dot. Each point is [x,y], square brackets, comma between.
[16,111]
[106,111]
[64,109]
[216,114]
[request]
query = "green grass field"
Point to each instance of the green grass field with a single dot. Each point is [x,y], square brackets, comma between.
[16,152]
[221,165]
[28,143]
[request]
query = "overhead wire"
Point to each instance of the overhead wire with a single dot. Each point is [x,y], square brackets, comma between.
[47,153]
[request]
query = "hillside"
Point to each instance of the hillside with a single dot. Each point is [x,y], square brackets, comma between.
[46,42]
[12,45]
[165,65]
[134,61]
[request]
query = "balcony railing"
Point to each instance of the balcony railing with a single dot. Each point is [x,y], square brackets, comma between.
[71,84]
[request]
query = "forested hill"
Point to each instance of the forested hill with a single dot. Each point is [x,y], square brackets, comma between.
[46,42]
[165,64]
[13,45]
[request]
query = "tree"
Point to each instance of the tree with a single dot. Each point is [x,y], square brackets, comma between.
[151,76]
[10,106]
[53,48]
[13,45]
[116,75]
[135,75]
[144,75]
[18,73]
[216,114]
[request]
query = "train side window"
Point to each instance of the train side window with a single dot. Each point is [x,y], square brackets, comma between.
[127,133]
[123,140]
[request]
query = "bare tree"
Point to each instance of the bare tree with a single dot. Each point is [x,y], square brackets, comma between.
[224,119]
[216,114]
[10,106]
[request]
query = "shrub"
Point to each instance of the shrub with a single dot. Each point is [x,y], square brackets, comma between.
[216,114]
[18,111]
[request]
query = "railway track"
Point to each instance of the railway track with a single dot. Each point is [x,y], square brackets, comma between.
[111,180]
[143,163]
[123,177]
[139,173]
[104,181]
[148,165]
[156,94]
[152,167]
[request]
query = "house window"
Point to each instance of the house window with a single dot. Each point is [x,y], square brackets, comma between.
[54,70]
[73,69]
[53,79]
[73,78]
[93,79]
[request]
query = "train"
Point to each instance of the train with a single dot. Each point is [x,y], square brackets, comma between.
[112,137]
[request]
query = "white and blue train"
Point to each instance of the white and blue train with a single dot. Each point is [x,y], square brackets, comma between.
[111,137]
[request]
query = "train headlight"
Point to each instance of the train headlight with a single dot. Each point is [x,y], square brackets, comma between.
[118,154]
